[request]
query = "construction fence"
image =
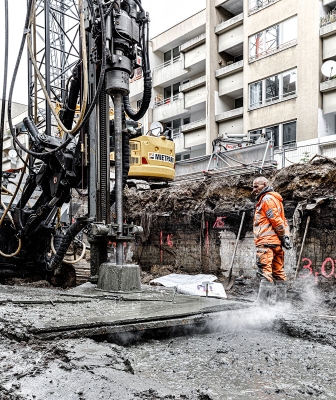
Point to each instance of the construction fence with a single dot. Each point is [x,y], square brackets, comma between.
[287,156]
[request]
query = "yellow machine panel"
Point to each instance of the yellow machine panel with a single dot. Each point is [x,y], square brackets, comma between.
[152,158]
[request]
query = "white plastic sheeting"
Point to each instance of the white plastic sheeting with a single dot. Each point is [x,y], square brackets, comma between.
[196,285]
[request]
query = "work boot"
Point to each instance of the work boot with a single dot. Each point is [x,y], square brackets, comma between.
[266,289]
[281,292]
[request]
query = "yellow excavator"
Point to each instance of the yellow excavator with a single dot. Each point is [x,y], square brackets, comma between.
[151,156]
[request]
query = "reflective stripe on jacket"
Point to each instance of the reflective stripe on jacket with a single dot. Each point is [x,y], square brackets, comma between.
[270,224]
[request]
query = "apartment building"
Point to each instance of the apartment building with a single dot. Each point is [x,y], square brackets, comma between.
[248,69]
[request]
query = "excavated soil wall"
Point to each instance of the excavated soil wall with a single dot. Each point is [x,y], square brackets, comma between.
[193,227]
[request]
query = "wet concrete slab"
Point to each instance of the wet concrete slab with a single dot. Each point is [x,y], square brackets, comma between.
[85,311]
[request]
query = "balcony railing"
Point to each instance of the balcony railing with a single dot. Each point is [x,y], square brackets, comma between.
[328,19]
[167,63]
[273,50]
[168,100]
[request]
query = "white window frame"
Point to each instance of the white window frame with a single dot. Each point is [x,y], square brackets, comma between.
[281,97]
[257,5]
[281,126]
[281,45]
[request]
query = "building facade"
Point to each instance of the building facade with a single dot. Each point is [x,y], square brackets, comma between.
[250,70]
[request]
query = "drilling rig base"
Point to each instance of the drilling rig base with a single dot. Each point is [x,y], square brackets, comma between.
[116,278]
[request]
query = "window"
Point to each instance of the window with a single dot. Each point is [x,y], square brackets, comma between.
[272,132]
[172,91]
[167,93]
[256,5]
[172,55]
[139,102]
[175,125]
[272,89]
[273,39]
[289,133]
[289,82]
[284,135]
[186,120]
[256,94]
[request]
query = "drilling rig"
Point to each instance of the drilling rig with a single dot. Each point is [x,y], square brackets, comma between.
[82,54]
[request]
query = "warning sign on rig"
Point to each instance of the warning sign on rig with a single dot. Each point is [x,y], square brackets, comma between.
[161,157]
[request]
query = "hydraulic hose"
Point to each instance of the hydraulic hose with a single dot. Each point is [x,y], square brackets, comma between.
[3,106]
[147,93]
[61,250]
[69,261]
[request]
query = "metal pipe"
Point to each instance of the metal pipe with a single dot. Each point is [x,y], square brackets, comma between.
[118,98]
[47,63]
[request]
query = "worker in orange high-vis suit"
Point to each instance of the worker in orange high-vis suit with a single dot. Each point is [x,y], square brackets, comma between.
[271,233]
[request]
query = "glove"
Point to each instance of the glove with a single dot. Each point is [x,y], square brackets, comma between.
[285,242]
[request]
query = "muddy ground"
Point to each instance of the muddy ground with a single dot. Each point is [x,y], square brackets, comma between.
[270,353]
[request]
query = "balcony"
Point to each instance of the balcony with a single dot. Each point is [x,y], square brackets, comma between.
[328,19]
[329,3]
[231,85]
[194,52]
[229,24]
[169,71]
[191,44]
[231,39]
[194,133]
[169,108]
[328,85]
[192,126]
[193,84]
[230,69]
[194,92]
[227,115]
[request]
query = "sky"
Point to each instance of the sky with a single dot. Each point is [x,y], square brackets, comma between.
[163,15]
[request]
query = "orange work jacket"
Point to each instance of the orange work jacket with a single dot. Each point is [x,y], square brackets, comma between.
[270,223]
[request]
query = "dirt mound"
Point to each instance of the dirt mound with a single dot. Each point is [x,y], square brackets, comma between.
[229,194]
[303,181]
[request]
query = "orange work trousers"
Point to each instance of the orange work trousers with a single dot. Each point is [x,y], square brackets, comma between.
[270,263]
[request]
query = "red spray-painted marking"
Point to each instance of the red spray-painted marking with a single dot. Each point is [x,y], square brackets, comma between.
[169,240]
[219,223]
[307,266]
[207,242]
[161,249]
[323,271]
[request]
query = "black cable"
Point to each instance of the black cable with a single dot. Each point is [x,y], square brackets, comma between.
[2,126]
[147,93]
